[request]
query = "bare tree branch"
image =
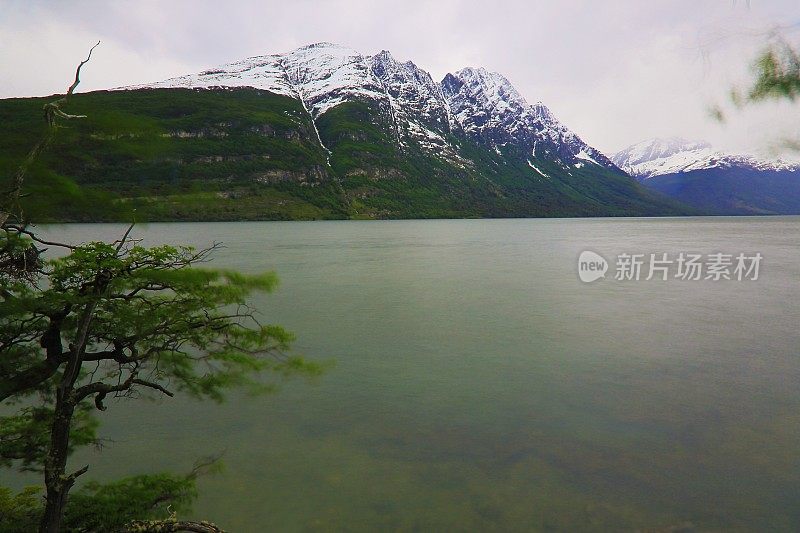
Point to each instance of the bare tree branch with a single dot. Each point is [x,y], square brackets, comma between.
[155,386]
[53,109]
[24,231]
[124,238]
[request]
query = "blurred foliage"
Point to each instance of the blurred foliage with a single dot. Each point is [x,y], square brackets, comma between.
[777,74]
[99,507]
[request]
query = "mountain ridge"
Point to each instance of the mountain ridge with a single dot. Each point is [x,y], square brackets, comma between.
[323,75]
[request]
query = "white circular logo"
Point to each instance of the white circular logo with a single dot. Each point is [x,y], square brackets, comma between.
[591,266]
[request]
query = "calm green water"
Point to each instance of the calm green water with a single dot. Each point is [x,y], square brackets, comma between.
[479,385]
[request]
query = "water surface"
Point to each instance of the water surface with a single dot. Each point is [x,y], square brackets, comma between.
[479,385]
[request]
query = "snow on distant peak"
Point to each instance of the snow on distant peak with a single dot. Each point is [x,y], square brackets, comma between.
[657,148]
[674,155]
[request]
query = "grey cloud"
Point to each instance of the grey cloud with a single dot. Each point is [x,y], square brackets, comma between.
[616,72]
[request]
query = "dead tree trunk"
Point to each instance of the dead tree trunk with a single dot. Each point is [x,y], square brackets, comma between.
[57,482]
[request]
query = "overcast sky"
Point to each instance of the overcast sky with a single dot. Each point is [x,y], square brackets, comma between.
[616,72]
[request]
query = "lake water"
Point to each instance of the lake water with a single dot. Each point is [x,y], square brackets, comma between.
[479,385]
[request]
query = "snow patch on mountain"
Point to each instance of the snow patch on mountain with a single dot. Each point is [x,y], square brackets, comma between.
[656,157]
[534,167]
[583,154]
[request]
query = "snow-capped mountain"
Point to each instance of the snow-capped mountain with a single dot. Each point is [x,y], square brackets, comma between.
[480,104]
[694,173]
[658,157]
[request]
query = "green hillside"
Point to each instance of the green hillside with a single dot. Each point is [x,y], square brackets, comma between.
[247,154]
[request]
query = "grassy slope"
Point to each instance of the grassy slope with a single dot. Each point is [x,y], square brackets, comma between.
[251,155]
[171,155]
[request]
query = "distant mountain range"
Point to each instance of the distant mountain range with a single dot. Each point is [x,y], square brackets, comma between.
[319,132]
[711,181]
